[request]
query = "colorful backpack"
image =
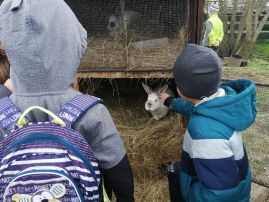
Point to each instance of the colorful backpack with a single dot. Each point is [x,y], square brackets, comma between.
[47,161]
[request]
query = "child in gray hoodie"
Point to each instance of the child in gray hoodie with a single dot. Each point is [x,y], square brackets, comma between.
[44,43]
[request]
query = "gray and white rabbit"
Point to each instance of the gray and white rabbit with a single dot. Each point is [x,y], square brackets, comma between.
[154,104]
[116,23]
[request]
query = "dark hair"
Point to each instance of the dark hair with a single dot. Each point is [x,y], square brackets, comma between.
[4,69]
[4,65]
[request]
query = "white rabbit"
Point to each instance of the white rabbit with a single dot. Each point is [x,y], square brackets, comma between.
[116,23]
[154,104]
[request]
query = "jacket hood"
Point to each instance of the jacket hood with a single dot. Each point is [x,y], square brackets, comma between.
[237,109]
[44,42]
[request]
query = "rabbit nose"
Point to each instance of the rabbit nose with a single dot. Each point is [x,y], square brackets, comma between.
[149,104]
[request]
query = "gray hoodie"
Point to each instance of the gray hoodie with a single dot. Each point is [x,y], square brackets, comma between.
[44,43]
[207,31]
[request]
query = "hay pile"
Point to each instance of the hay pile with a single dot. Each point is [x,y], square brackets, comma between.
[158,58]
[103,53]
[132,51]
[150,144]
[163,56]
[152,190]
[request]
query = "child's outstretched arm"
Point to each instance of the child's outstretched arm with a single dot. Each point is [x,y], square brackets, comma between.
[177,104]
[181,106]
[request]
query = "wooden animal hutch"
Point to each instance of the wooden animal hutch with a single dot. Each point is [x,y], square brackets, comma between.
[136,38]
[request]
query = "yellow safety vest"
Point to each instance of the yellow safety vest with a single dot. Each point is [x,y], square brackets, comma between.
[216,33]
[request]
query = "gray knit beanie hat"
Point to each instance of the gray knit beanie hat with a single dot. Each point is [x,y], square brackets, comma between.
[197,71]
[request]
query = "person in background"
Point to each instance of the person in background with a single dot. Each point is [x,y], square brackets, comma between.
[214,163]
[5,82]
[44,42]
[214,28]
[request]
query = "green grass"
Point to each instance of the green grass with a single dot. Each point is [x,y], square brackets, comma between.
[257,67]
[263,48]
[263,100]
[259,166]
[256,138]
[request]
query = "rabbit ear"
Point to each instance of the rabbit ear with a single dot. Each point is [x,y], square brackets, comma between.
[163,89]
[147,88]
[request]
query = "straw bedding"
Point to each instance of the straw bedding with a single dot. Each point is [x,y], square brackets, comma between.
[103,54]
[132,52]
[150,144]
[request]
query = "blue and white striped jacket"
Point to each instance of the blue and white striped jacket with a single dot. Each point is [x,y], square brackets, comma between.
[214,163]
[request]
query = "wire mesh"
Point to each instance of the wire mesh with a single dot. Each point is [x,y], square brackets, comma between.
[233,14]
[256,140]
[132,34]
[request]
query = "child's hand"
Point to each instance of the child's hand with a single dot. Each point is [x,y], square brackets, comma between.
[163,96]
[9,85]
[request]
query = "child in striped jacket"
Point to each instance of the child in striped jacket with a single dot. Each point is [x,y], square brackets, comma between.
[44,42]
[214,165]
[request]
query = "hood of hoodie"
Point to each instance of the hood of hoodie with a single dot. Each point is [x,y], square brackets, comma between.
[237,109]
[44,42]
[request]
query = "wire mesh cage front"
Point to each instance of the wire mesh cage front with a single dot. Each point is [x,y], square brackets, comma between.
[132,33]
[256,140]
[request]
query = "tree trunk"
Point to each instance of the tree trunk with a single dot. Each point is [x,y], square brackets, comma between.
[247,49]
[233,18]
[249,24]
[241,28]
[260,26]
[249,21]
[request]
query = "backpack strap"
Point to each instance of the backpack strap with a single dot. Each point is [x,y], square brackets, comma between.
[76,107]
[9,114]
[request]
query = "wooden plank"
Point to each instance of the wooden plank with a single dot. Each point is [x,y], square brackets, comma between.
[122,73]
[263,35]
[237,22]
[200,20]
[192,21]
[266,27]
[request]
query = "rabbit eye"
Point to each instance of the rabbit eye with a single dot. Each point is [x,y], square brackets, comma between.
[156,100]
